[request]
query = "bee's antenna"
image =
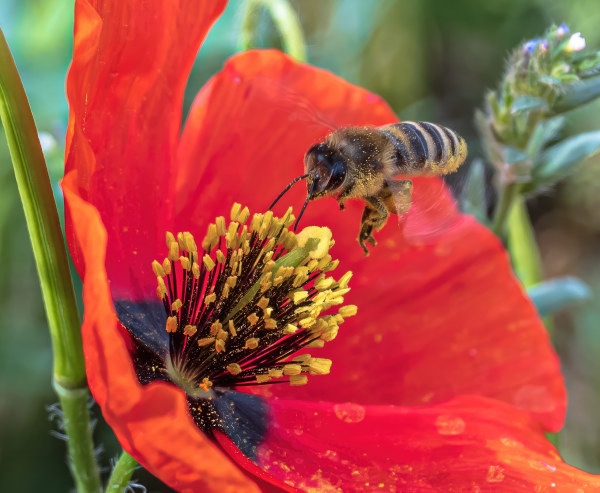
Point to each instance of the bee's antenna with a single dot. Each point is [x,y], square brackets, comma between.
[312,189]
[287,188]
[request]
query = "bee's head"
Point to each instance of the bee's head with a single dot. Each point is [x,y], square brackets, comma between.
[326,168]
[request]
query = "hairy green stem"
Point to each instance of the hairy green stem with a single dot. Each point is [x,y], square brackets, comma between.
[121,474]
[53,270]
[285,19]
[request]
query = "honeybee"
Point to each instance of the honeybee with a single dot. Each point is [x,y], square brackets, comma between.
[361,162]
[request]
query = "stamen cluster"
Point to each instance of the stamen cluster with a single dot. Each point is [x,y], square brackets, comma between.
[240,309]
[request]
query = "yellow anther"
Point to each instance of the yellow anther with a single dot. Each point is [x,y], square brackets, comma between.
[185,263]
[161,289]
[234,369]
[166,265]
[297,380]
[220,257]
[190,244]
[331,266]
[157,268]
[335,300]
[267,312]
[255,223]
[232,330]
[232,281]
[307,322]
[205,341]
[292,369]
[176,305]
[215,327]
[208,262]
[196,270]
[231,238]
[348,311]
[205,385]
[253,318]
[290,241]
[190,330]
[210,298]
[235,211]
[302,358]
[251,343]
[330,334]
[263,303]
[222,335]
[290,329]
[298,296]
[312,265]
[288,218]
[169,238]
[244,234]
[220,223]
[317,343]
[319,366]
[211,238]
[220,345]
[341,292]
[275,372]
[270,323]
[269,266]
[180,241]
[338,318]
[343,282]
[225,292]
[324,284]
[171,324]
[243,215]
[324,261]
[262,378]
[173,251]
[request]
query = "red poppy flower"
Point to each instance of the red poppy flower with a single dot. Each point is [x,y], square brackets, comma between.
[444,381]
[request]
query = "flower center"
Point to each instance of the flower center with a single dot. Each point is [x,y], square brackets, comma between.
[239,310]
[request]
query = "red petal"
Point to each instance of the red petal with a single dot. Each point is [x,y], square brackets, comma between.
[131,63]
[440,312]
[470,444]
[153,422]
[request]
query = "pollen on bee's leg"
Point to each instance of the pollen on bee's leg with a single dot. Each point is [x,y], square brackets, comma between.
[241,309]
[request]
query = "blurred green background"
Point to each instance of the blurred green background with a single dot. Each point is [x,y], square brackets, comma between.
[430,59]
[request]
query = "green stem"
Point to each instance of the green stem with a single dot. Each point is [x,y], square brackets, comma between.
[508,193]
[121,475]
[525,256]
[285,19]
[53,270]
[522,245]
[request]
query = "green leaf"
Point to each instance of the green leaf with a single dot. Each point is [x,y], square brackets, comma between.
[553,295]
[473,199]
[527,102]
[577,94]
[560,160]
[544,132]
[513,155]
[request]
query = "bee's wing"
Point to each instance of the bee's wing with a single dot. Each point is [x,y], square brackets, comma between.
[299,108]
[425,207]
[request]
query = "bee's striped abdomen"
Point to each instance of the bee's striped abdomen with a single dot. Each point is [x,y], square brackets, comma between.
[423,148]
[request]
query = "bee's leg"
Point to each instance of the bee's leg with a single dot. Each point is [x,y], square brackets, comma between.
[397,196]
[374,217]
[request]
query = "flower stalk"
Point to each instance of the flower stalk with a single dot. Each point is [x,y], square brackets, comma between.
[284,18]
[121,474]
[69,378]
